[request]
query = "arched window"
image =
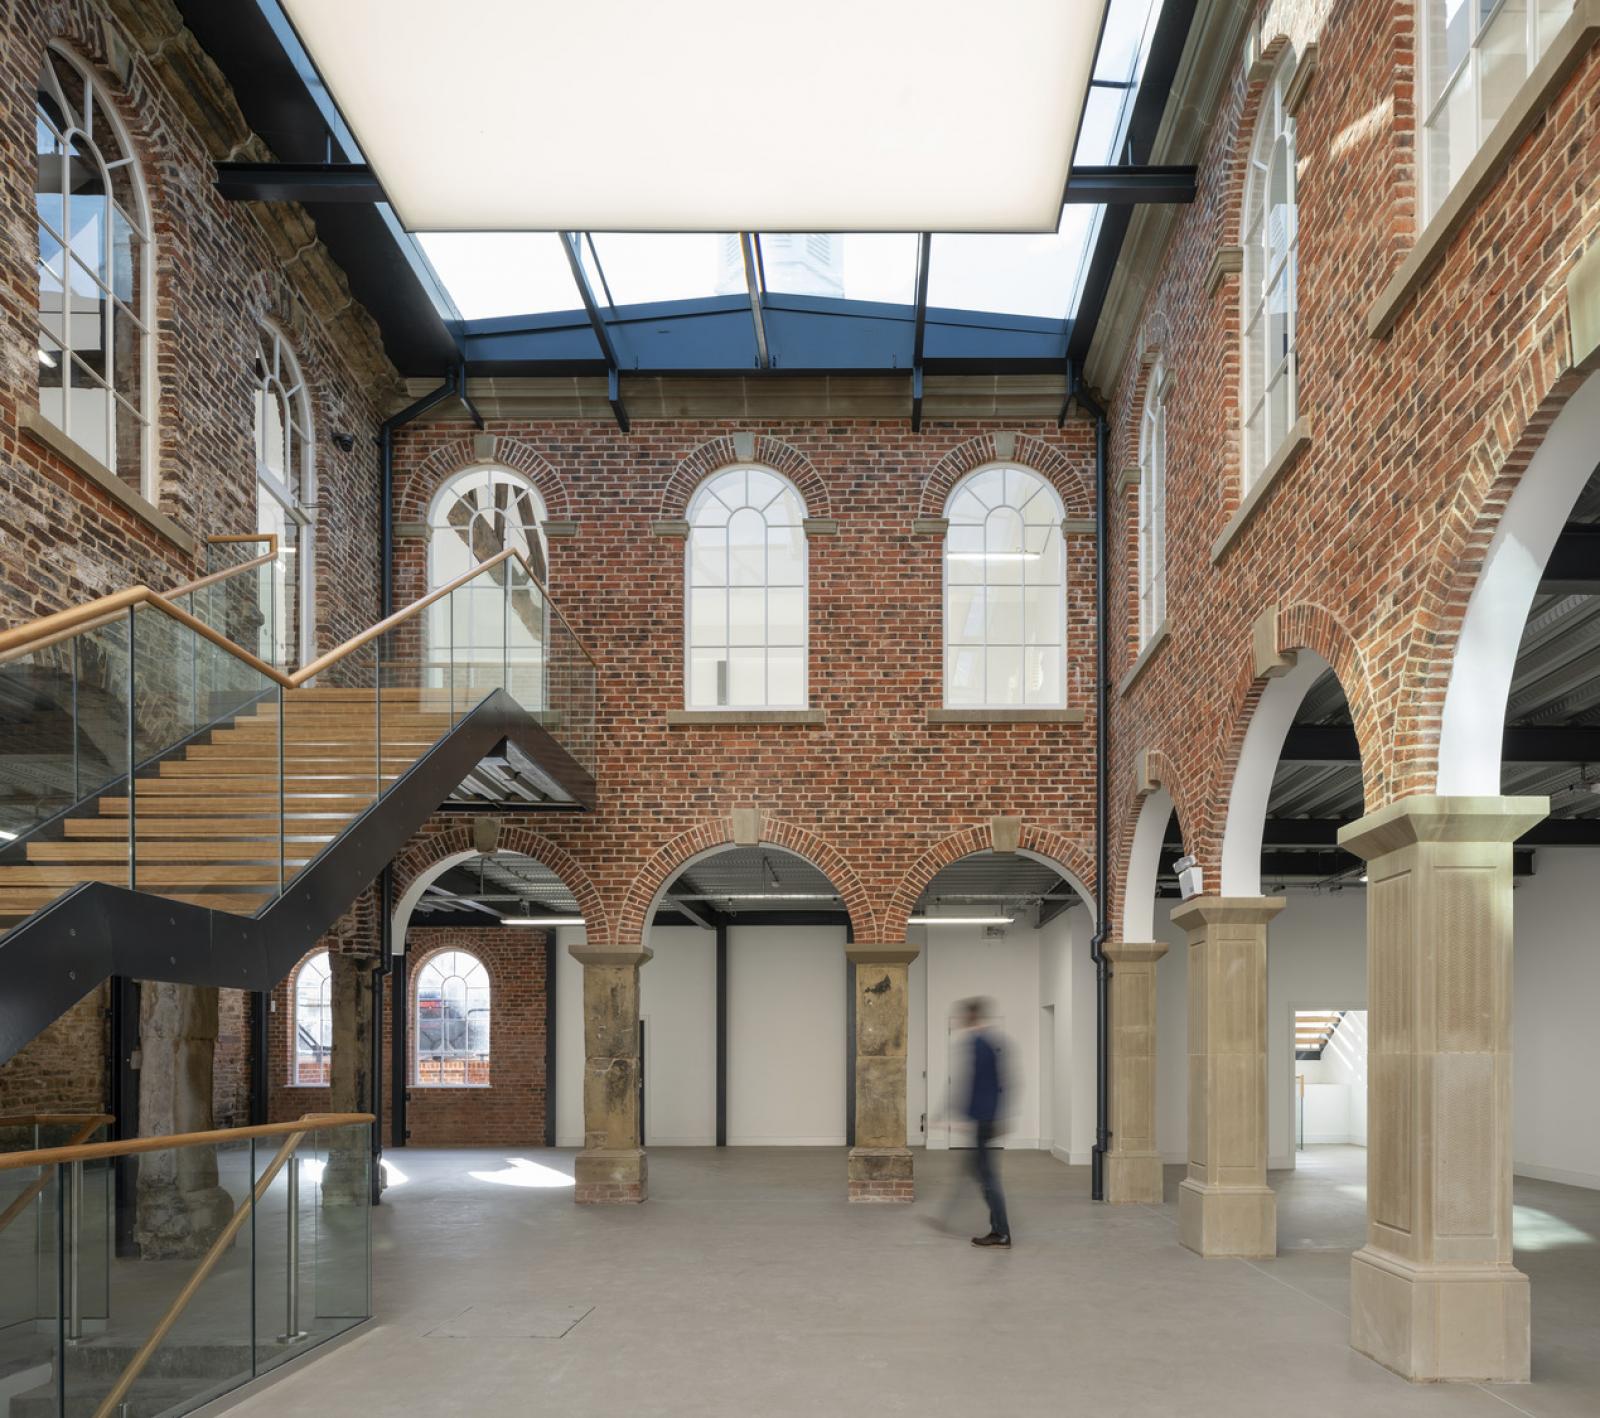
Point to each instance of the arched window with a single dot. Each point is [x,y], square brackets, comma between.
[313,1022]
[497,619]
[1004,593]
[1270,237]
[94,274]
[452,1021]
[746,593]
[1153,507]
[285,497]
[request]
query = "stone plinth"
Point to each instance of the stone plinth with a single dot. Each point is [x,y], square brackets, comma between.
[1133,1165]
[612,1166]
[1225,1207]
[879,1168]
[1434,1295]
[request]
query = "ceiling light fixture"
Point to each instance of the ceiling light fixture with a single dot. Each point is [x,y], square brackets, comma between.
[47,359]
[541,920]
[8,836]
[960,920]
[995,556]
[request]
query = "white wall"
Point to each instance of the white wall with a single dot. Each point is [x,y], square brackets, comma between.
[1066,981]
[917,1052]
[787,996]
[678,999]
[569,1039]
[1336,1085]
[1555,1045]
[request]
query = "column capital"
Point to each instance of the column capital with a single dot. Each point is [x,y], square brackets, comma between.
[895,953]
[1226,911]
[1429,817]
[610,954]
[1134,952]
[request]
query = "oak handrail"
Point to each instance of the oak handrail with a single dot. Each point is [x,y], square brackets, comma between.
[133,1146]
[311,1122]
[87,1123]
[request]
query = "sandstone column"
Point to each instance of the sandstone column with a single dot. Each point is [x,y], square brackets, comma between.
[611,1167]
[879,1168]
[347,1180]
[181,1206]
[1225,1207]
[1133,1165]
[1434,1294]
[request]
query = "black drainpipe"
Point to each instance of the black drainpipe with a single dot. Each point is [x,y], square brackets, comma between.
[1102,925]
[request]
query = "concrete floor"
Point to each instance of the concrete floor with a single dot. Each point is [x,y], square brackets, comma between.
[747,1285]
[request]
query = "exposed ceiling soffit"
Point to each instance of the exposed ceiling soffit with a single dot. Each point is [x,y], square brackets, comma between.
[1216,40]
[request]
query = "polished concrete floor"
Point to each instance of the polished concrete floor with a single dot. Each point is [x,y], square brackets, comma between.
[747,1285]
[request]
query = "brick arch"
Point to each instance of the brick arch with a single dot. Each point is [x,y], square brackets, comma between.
[415,498]
[713,832]
[1236,166]
[1124,809]
[1066,852]
[720,452]
[1026,451]
[428,851]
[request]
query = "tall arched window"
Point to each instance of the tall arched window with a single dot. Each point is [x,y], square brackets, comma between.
[1270,238]
[452,1021]
[313,1022]
[746,592]
[496,621]
[1004,593]
[285,497]
[1153,506]
[95,367]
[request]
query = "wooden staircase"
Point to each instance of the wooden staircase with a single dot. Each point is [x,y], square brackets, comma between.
[206,820]
[1314,1030]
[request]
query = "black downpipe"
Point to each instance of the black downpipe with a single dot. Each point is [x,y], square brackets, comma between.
[1102,922]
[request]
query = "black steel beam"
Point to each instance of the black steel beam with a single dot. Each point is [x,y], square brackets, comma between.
[752,281]
[1129,185]
[1325,865]
[722,1036]
[571,242]
[919,336]
[1324,832]
[551,952]
[298,182]
[1574,565]
[1333,744]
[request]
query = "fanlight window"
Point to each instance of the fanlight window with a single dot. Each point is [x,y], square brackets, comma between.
[1271,303]
[1004,593]
[313,1022]
[94,254]
[746,594]
[283,495]
[1153,507]
[452,1021]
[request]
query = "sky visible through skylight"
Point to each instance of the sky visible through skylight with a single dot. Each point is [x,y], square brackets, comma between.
[523,273]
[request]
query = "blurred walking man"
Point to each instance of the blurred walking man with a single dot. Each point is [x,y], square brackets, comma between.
[984,1107]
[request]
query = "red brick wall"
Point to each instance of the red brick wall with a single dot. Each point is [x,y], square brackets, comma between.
[1369,544]
[877,794]
[64,1068]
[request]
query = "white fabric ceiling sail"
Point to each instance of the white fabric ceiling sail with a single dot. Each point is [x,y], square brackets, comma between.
[711,115]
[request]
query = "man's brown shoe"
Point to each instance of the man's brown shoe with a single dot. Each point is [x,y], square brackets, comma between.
[992,1239]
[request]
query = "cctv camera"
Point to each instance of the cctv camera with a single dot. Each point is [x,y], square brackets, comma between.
[344,442]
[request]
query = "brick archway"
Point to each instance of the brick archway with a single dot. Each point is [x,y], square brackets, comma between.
[1020,449]
[1143,810]
[1069,855]
[718,832]
[415,497]
[731,448]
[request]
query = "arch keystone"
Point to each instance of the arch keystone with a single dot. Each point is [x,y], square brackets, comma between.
[1005,834]
[1270,661]
[745,823]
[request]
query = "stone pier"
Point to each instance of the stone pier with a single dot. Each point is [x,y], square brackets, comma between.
[1133,1165]
[879,1167]
[611,1167]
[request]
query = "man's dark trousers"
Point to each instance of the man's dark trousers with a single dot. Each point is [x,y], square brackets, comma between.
[989,1179]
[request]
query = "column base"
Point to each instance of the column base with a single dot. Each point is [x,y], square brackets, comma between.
[1133,1177]
[1240,1222]
[1440,1324]
[609,1177]
[880,1174]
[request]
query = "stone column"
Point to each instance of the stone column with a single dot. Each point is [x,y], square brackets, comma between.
[347,1180]
[1133,1165]
[1225,1207]
[181,1207]
[611,1167]
[1434,1294]
[879,1168]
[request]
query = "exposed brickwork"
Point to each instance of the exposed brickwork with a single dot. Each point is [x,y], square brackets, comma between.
[64,1069]
[903,1190]
[607,1193]
[1370,543]
[230,1067]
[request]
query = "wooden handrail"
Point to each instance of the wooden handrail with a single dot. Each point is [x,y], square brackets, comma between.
[87,1123]
[109,1405]
[45,1120]
[133,1146]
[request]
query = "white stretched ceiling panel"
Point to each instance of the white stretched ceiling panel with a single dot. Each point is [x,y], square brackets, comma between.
[711,115]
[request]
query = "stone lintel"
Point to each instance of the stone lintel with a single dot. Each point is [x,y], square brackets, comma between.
[1429,817]
[1077,526]
[1005,834]
[929,526]
[1135,952]
[672,528]
[1205,911]
[619,955]
[820,526]
[560,528]
[411,531]
[898,953]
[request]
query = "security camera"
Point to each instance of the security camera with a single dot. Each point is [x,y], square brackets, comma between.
[344,442]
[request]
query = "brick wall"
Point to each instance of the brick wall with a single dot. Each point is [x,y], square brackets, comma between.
[64,1068]
[1369,544]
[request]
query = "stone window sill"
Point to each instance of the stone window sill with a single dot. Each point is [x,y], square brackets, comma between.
[1158,637]
[1005,716]
[732,718]
[41,431]
[449,1087]
[1537,93]
[1288,454]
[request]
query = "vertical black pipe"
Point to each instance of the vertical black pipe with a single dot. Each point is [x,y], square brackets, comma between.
[551,952]
[722,1034]
[375,1070]
[123,1104]
[260,1019]
[849,1040]
[399,1047]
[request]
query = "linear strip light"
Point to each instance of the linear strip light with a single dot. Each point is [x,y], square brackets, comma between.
[994,556]
[541,920]
[960,920]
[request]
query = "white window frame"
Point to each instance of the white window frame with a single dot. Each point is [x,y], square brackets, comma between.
[284,379]
[417,1056]
[1059,699]
[696,503]
[324,1002]
[1274,126]
[446,496]
[1153,505]
[98,106]
[1540,26]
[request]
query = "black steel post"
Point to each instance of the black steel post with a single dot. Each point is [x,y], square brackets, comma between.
[260,1018]
[722,1033]
[552,951]
[123,1103]
[399,1047]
